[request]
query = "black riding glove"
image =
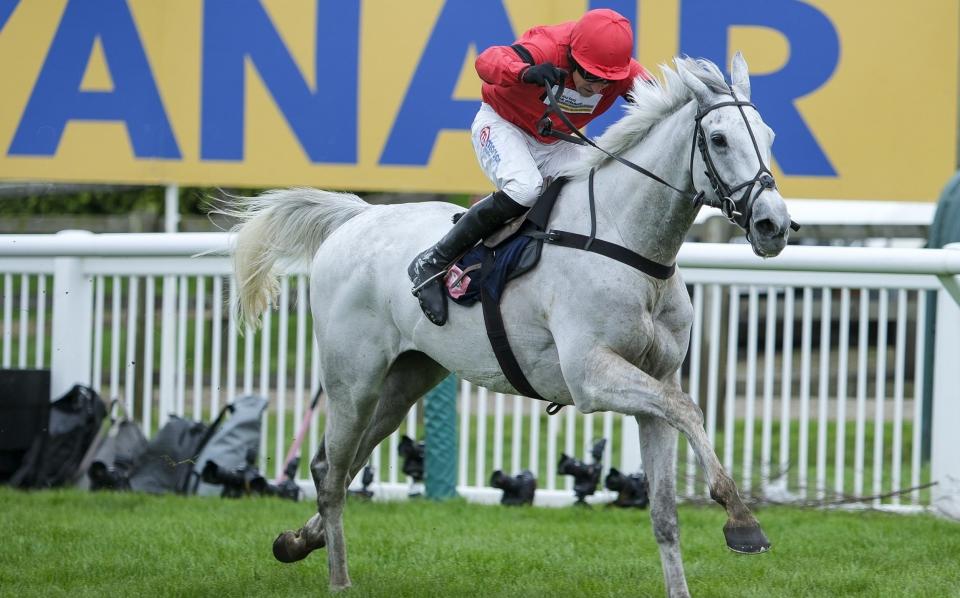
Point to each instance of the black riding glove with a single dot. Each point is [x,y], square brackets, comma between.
[539,74]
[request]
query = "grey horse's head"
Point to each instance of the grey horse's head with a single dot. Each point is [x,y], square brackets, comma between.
[732,164]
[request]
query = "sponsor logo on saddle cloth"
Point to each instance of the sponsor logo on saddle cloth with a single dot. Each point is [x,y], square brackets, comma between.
[458,279]
[573,102]
[457,282]
[483,268]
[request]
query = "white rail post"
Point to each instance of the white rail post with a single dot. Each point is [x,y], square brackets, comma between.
[171,208]
[631,461]
[72,322]
[945,441]
[168,348]
[168,331]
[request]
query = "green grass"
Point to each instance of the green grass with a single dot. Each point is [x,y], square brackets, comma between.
[59,543]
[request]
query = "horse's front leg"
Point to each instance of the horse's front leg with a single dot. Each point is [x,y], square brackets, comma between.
[602,380]
[658,444]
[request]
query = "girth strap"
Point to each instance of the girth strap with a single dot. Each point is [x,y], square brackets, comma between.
[605,248]
[497,334]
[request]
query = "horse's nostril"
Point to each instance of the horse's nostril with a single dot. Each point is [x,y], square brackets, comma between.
[767,228]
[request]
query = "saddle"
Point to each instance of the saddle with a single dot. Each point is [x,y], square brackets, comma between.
[483,272]
[508,253]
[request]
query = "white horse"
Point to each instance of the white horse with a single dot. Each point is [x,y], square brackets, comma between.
[587,331]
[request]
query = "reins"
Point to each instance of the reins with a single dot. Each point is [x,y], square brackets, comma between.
[736,211]
[545,127]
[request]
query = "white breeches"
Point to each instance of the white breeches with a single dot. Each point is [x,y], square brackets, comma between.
[513,160]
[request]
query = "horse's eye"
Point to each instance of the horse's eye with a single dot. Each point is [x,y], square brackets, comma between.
[718,140]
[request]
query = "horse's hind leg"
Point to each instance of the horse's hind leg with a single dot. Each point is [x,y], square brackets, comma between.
[410,376]
[658,445]
[291,546]
[347,429]
[348,414]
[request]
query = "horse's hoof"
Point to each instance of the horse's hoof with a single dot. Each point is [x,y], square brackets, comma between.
[339,587]
[747,539]
[290,547]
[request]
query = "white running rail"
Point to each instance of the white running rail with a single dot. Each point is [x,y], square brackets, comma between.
[787,356]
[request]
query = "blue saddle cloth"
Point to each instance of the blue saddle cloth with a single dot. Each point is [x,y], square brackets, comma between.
[489,270]
[483,268]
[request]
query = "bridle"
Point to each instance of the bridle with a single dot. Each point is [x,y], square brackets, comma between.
[737,210]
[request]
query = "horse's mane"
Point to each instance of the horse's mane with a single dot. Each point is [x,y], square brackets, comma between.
[650,102]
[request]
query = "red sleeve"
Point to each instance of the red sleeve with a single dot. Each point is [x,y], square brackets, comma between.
[500,65]
[544,44]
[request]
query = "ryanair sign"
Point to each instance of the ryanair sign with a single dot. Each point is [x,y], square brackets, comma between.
[380,95]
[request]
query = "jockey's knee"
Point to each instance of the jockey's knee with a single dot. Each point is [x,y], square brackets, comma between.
[525,191]
[507,206]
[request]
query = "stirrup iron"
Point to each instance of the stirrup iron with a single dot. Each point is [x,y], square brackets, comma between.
[439,274]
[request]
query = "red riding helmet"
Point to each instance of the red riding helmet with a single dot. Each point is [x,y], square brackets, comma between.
[602,44]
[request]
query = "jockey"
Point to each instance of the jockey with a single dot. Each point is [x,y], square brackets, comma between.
[597,54]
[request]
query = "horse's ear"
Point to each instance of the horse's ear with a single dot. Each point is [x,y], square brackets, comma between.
[700,90]
[740,76]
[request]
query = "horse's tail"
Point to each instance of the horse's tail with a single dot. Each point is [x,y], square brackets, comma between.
[277,224]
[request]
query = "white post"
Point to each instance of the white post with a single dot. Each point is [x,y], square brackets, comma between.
[168,332]
[72,323]
[171,211]
[168,346]
[630,459]
[945,421]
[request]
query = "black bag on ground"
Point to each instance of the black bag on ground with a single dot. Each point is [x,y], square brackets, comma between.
[166,464]
[118,456]
[54,457]
[224,466]
[24,412]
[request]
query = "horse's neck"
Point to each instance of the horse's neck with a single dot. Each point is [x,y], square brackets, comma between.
[634,210]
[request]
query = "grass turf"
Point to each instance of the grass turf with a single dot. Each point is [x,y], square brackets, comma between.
[67,542]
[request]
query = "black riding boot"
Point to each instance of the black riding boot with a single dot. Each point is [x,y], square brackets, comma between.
[426,270]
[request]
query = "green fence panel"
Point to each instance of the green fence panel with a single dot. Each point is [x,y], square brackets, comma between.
[440,422]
